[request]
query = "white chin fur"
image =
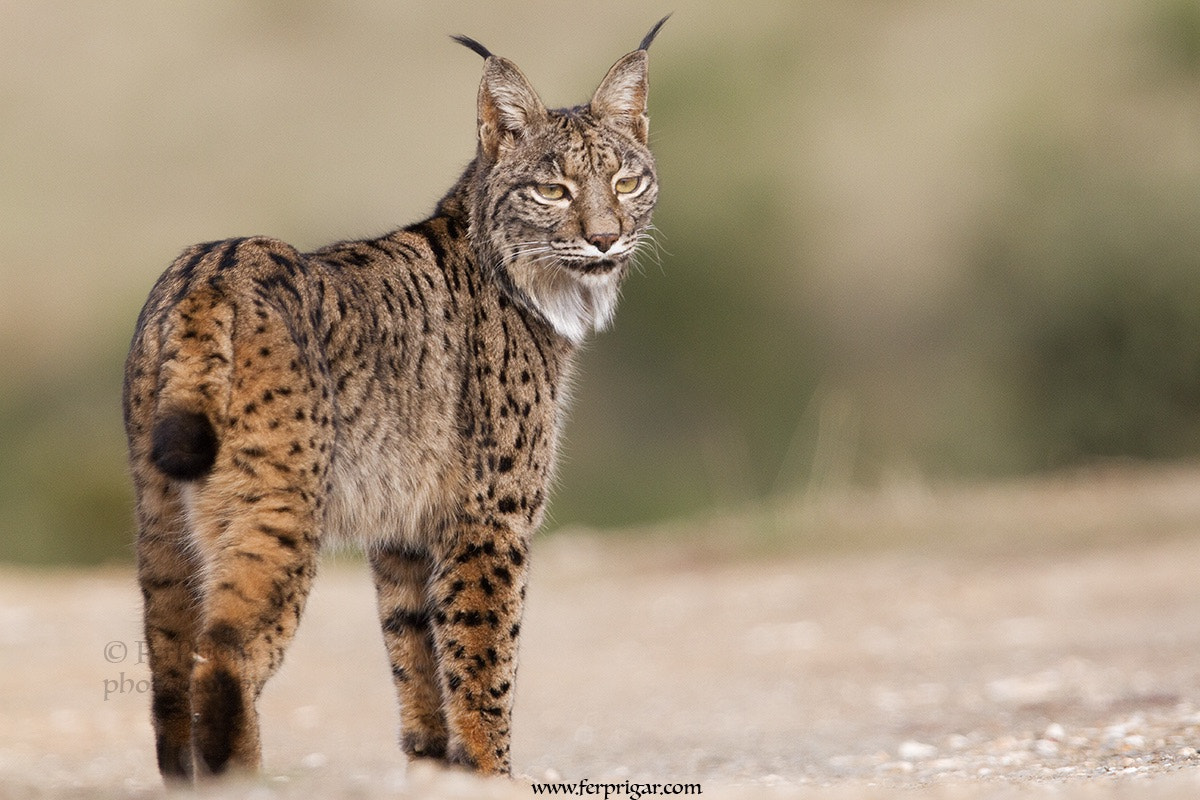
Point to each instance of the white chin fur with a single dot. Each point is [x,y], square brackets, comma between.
[579,304]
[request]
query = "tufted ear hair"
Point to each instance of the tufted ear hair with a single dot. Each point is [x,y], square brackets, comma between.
[507,105]
[621,96]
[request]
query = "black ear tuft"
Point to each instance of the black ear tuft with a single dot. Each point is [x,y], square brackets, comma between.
[184,445]
[468,42]
[645,45]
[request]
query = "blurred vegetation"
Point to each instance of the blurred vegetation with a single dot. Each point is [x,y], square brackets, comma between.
[1106,361]
[63,493]
[935,241]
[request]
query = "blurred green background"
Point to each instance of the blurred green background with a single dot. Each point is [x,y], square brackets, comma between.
[930,239]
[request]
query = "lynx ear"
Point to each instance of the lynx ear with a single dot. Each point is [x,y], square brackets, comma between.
[621,97]
[507,105]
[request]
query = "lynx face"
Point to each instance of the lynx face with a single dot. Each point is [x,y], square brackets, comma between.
[586,212]
[569,193]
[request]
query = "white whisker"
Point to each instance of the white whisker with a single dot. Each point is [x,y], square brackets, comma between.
[647,246]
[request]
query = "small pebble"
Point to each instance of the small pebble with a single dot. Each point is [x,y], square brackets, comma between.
[314,760]
[958,742]
[916,751]
[1045,748]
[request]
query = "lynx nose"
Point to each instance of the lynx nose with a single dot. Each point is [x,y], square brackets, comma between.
[603,241]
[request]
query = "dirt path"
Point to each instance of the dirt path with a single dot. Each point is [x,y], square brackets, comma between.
[832,676]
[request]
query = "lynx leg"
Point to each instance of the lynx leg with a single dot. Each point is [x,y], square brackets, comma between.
[401,584]
[261,419]
[479,592]
[259,571]
[167,574]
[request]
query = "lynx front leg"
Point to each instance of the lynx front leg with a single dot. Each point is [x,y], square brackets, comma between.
[401,582]
[479,592]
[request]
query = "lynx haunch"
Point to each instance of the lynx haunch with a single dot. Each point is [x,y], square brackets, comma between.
[404,391]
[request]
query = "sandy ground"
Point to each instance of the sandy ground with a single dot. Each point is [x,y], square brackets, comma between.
[1074,672]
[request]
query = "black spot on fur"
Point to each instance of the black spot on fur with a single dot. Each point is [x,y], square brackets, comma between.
[170,704]
[401,619]
[221,719]
[225,636]
[184,445]
[469,618]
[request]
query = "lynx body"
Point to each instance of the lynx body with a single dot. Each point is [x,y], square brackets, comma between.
[406,392]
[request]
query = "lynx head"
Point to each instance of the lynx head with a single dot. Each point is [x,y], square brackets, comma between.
[561,198]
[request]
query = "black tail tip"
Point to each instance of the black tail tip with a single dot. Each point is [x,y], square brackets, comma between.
[184,445]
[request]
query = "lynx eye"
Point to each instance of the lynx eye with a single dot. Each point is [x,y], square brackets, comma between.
[551,191]
[627,185]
